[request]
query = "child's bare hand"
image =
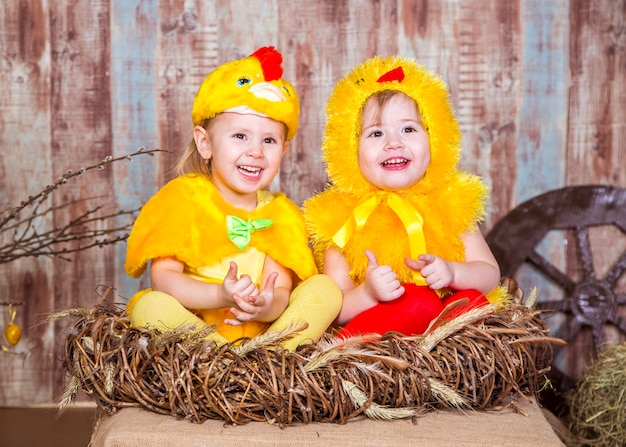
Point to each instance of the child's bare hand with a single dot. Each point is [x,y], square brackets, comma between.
[380,280]
[253,307]
[243,286]
[437,272]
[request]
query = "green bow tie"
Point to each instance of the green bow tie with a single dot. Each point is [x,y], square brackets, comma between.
[239,230]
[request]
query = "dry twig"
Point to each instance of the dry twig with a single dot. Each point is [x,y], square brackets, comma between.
[28,236]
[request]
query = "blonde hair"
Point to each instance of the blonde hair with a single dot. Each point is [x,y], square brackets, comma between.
[191,162]
[380,100]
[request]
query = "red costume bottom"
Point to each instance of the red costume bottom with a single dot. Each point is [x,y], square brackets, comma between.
[411,313]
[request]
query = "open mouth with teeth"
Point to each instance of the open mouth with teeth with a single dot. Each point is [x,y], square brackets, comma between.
[250,171]
[395,163]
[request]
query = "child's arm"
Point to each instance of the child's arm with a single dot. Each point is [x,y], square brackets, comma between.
[271,302]
[380,284]
[166,275]
[480,271]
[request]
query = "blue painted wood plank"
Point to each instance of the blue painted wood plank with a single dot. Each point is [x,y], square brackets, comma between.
[134,92]
[543,113]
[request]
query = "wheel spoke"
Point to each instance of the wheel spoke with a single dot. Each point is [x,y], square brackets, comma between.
[598,339]
[617,270]
[551,271]
[585,254]
[572,330]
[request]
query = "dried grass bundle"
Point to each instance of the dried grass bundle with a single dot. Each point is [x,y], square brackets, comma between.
[479,362]
[597,414]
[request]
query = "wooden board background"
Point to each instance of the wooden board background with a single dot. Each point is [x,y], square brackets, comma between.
[539,88]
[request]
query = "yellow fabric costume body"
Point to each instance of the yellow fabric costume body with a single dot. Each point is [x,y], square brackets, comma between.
[449,202]
[187,219]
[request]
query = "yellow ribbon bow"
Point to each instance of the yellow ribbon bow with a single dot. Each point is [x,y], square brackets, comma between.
[406,212]
[239,231]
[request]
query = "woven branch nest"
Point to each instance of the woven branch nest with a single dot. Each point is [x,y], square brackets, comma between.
[477,361]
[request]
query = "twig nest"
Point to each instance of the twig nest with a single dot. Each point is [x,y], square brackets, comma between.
[479,360]
[598,402]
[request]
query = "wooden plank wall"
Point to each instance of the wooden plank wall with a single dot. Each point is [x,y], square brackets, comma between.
[539,88]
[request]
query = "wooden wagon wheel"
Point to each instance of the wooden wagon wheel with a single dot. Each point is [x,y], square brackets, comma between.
[591,301]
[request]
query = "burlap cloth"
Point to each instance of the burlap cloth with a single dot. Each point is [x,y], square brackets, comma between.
[134,427]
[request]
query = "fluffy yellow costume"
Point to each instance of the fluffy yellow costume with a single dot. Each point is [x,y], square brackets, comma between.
[449,201]
[189,220]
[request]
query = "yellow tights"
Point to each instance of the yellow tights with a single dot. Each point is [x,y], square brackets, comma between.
[316,301]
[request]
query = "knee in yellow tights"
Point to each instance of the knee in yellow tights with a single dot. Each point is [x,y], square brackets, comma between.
[317,302]
[158,310]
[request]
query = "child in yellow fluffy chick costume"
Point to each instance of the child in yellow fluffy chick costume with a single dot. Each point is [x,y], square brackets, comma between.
[224,251]
[402,240]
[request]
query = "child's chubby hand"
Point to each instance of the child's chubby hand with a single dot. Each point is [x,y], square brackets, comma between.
[243,286]
[381,281]
[437,272]
[253,306]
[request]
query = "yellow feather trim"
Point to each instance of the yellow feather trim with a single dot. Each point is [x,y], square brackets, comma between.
[499,296]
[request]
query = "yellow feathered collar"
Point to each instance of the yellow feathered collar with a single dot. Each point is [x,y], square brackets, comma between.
[187,219]
[454,210]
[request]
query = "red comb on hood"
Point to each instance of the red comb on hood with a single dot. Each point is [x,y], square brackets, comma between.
[270,60]
[397,74]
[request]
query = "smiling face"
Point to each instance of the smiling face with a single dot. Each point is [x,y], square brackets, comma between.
[394,150]
[244,152]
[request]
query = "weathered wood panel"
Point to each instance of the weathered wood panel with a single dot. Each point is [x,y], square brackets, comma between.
[25,139]
[80,132]
[539,88]
[596,125]
[596,130]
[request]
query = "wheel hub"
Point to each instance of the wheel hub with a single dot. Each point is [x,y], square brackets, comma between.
[594,302]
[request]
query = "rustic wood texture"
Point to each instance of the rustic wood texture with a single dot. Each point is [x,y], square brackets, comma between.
[539,88]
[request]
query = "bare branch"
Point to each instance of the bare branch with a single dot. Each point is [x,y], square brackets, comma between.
[28,236]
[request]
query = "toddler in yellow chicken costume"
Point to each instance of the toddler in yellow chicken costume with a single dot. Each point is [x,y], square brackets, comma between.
[222,250]
[402,240]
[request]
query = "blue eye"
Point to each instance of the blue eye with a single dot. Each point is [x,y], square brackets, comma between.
[244,80]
